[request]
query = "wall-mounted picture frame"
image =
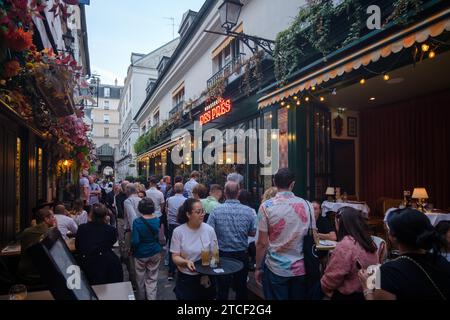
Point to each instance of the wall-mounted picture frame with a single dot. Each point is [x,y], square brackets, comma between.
[352,127]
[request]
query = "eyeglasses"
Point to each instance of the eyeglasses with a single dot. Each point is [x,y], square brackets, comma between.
[199,211]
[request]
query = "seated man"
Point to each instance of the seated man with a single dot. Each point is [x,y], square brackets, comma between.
[45,219]
[64,222]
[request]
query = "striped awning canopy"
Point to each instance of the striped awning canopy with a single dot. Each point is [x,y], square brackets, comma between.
[417,33]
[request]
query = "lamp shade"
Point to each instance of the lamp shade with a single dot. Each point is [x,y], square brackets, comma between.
[420,193]
[330,191]
[229,12]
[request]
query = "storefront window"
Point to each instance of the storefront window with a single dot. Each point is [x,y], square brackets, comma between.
[18,183]
[40,174]
[283,138]
[267,124]
[321,124]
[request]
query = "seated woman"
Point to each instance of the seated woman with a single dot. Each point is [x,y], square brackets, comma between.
[417,273]
[94,241]
[187,242]
[78,213]
[324,229]
[443,228]
[355,249]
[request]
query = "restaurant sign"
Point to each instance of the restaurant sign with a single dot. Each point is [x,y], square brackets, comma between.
[215,110]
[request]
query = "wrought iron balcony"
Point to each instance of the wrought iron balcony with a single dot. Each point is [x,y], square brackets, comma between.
[225,72]
[176,109]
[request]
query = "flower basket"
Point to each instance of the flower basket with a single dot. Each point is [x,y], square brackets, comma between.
[54,85]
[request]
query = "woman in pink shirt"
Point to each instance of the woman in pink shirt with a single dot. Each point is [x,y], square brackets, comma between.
[355,250]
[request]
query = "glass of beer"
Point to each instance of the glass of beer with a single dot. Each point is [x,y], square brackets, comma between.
[18,292]
[205,257]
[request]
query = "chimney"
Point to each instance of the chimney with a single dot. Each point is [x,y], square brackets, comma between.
[115,82]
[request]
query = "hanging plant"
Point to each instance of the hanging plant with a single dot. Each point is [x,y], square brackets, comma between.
[253,72]
[217,90]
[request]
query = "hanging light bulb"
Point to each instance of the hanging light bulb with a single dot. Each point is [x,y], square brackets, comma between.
[288,106]
[283,103]
[313,88]
[270,117]
[307,99]
[295,98]
[425,47]
[322,99]
[298,102]
[362,81]
[386,77]
[432,55]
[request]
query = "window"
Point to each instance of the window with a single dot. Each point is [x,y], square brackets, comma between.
[106,105]
[226,55]
[178,97]
[106,132]
[107,92]
[144,129]
[156,118]
[106,118]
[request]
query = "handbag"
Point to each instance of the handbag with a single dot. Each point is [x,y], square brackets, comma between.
[310,254]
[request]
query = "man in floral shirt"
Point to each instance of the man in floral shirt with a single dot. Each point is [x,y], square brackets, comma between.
[283,221]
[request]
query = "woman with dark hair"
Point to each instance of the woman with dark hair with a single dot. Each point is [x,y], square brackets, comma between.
[146,249]
[443,229]
[188,241]
[78,213]
[420,272]
[94,241]
[355,249]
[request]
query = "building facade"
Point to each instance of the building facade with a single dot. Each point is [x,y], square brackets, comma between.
[142,74]
[206,67]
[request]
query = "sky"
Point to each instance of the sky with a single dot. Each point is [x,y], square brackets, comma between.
[118,28]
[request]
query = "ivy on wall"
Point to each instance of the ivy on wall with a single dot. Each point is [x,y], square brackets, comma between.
[311,30]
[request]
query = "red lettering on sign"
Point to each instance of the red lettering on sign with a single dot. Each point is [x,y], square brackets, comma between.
[222,108]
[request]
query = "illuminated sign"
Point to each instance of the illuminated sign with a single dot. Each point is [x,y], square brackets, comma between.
[215,110]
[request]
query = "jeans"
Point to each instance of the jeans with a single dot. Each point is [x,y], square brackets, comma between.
[238,279]
[283,288]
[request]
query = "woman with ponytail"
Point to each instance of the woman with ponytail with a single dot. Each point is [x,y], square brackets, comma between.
[187,242]
[420,272]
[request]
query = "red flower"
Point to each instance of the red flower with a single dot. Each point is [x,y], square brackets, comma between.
[21,4]
[11,69]
[19,39]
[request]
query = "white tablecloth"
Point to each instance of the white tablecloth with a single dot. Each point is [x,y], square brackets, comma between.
[435,217]
[335,206]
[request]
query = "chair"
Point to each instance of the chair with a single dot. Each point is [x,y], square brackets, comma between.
[381,251]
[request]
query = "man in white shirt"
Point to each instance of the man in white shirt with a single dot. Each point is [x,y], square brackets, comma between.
[156,196]
[131,212]
[64,223]
[189,186]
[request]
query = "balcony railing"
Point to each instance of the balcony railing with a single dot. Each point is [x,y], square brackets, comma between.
[225,72]
[176,109]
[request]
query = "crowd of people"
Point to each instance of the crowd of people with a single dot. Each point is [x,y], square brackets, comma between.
[172,223]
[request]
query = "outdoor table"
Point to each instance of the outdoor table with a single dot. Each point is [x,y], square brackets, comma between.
[14,249]
[110,291]
[327,245]
[434,216]
[335,206]
[228,265]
